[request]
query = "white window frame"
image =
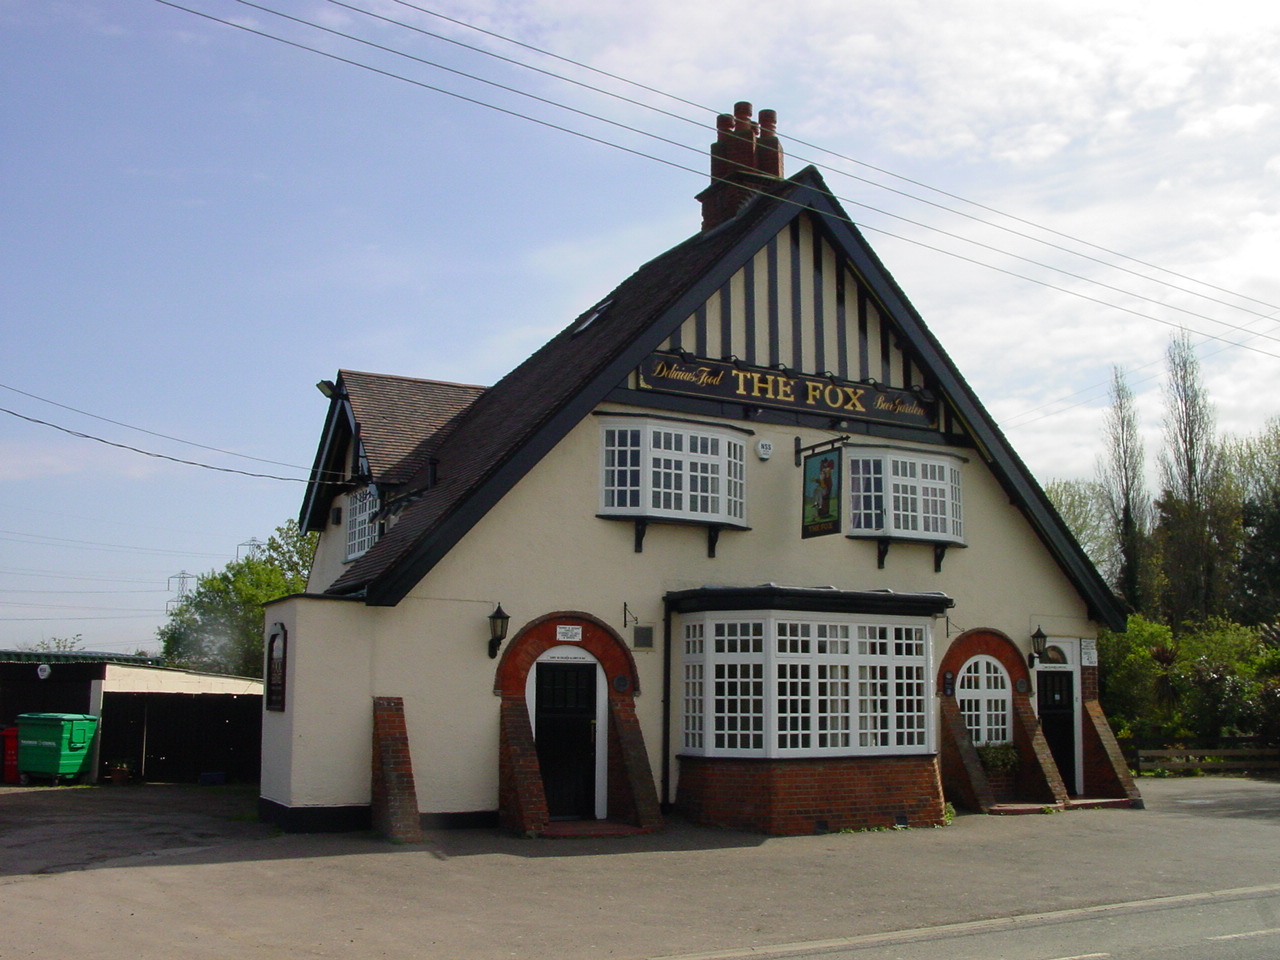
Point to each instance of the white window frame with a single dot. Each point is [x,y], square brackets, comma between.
[775,683]
[985,695]
[904,494]
[680,470]
[362,520]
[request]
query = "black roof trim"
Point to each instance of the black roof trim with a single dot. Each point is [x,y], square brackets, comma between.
[761,219]
[772,596]
[1017,480]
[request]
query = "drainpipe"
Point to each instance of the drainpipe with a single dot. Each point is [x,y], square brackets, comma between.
[666,705]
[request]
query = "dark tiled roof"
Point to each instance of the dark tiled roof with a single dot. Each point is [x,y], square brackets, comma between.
[508,428]
[402,418]
[515,409]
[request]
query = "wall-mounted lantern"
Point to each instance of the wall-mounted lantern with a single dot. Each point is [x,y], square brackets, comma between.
[499,620]
[1039,644]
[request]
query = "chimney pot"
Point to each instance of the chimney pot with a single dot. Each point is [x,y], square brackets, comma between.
[742,152]
[768,149]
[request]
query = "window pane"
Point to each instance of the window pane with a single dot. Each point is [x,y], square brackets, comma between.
[362,524]
[866,487]
[739,706]
[985,700]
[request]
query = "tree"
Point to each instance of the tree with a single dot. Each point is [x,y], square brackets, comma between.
[1082,506]
[1124,490]
[55,645]
[1199,507]
[218,626]
[1256,462]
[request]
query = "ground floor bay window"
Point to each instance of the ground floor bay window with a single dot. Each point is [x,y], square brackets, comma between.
[781,683]
[808,709]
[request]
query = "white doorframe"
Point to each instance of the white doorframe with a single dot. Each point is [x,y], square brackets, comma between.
[1070,646]
[567,653]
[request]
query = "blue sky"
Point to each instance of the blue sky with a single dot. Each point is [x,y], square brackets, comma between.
[198,223]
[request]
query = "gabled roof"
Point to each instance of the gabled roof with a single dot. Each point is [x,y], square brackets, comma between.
[398,420]
[509,428]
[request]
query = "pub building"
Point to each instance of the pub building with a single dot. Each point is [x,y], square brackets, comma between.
[738,545]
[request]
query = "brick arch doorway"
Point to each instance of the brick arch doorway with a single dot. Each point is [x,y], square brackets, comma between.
[964,781]
[569,678]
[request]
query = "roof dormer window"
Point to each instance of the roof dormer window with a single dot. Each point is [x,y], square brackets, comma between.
[362,520]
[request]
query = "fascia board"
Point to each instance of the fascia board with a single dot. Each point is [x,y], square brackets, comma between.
[316,500]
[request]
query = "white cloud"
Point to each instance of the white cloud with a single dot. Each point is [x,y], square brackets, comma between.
[1234,118]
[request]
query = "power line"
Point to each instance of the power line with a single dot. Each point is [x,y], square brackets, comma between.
[130,616]
[149,453]
[92,578]
[1086,390]
[882,212]
[153,433]
[62,606]
[826,150]
[78,592]
[36,538]
[639,153]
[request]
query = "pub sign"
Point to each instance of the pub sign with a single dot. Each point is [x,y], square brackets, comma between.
[787,389]
[821,511]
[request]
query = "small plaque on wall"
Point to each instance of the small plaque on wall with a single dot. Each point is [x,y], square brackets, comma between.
[568,633]
[1088,652]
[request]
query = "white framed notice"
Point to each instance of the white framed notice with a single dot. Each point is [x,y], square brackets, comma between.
[1088,652]
[568,633]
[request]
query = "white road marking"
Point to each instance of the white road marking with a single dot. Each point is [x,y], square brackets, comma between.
[780,950]
[1245,936]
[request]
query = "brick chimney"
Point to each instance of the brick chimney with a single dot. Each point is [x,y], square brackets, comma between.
[745,157]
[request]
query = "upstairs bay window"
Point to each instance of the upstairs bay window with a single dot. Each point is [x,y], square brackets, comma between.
[904,495]
[659,469]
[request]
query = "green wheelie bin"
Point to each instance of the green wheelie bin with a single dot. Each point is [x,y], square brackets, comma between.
[55,746]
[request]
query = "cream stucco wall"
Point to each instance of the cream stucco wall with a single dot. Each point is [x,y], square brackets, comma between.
[316,752]
[542,549]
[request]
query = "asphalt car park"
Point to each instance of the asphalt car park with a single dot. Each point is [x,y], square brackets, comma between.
[147,870]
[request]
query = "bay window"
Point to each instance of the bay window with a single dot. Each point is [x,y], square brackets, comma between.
[775,683]
[903,494]
[666,469]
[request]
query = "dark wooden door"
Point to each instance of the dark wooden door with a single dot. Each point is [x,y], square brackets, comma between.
[1055,691]
[565,733]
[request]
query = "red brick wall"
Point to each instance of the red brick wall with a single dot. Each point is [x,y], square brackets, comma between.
[1106,774]
[522,803]
[805,796]
[1038,778]
[394,807]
